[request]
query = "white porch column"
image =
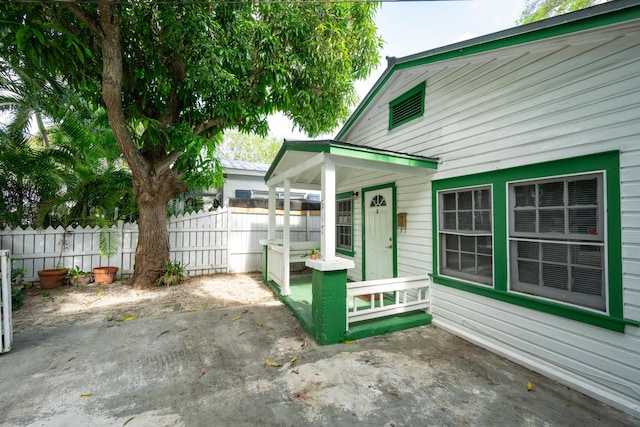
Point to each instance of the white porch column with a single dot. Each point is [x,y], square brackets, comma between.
[272,212]
[328,237]
[286,238]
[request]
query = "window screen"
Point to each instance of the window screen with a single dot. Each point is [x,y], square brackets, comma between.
[465,234]
[556,239]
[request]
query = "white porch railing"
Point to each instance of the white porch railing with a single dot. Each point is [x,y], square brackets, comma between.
[277,264]
[6,328]
[387,297]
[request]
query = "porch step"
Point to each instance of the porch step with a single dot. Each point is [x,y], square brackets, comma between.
[373,327]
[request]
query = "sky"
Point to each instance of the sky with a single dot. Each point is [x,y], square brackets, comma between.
[415,26]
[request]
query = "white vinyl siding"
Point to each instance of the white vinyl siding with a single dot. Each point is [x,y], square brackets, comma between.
[543,101]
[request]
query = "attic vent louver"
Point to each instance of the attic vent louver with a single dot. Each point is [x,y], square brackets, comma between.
[407,107]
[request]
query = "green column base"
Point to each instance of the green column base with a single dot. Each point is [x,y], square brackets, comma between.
[265,263]
[328,307]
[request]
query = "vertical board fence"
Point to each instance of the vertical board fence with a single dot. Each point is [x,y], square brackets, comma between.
[208,242]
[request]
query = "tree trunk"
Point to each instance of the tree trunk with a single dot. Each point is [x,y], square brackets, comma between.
[154,182]
[152,197]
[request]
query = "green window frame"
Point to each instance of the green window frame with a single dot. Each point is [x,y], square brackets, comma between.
[344,224]
[407,107]
[604,167]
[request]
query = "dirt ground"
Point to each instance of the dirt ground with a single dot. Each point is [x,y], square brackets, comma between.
[117,302]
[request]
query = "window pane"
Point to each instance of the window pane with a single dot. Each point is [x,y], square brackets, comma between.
[465,221]
[587,255]
[483,220]
[449,201]
[552,221]
[453,260]
[485,266]
[554,252]
[484,245]
[468,262]
[482,199]
[450,221]
[555,276]
[468,243]
[583,221]
[528,250]
[451,241]
[525,195]
[464,200]
[528,272]
[525,221]
[587,281]
[551,194]
[583,192]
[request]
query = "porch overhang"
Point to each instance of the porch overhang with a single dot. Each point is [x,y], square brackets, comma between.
[300,162]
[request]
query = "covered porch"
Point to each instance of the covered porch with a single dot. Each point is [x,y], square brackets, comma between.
[331,306]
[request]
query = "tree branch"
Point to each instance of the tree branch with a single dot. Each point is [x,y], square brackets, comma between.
[88,20]
[166,162]
[208,124]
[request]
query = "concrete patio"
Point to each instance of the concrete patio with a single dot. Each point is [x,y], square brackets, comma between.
[214,368]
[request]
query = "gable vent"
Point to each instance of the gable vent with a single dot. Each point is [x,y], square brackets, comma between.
[407,107]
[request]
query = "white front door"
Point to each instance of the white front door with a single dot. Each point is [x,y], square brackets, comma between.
[378,238]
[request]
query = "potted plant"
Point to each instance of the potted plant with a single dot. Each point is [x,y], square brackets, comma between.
[108,246]
[54,277]
[313,253]
[79,277]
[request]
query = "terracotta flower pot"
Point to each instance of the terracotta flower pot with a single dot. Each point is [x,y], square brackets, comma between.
[104,275]
[52,278]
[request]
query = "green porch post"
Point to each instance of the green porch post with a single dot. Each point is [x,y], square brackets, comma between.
[328,307]
[265,263]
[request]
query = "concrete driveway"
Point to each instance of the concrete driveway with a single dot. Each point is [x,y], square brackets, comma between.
[256,366]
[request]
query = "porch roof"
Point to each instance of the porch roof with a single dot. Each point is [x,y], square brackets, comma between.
[301,161]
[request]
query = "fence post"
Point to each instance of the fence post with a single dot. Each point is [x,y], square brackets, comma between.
[120,255]
[6,327]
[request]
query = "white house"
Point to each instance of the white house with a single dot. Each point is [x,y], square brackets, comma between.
[504,172]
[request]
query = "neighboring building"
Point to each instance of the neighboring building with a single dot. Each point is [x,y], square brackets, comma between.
[244,180]
[507,168]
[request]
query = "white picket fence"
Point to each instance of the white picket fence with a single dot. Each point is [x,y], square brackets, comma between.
[208,242]
[6,328]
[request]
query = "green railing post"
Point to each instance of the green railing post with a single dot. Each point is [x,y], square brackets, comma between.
[328,308]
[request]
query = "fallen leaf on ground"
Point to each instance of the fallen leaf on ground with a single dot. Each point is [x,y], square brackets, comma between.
[85,395]
[126,318]
[293,360]
[193,310]
[204,371]
[163,332]
[268,362]
[349,341]
[127,422]
[237,317]
[260,325]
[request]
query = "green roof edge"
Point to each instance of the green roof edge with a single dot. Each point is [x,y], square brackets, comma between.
[586,19]
[351,150]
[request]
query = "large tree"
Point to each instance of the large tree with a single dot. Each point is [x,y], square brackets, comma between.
[173,75]
[536,10]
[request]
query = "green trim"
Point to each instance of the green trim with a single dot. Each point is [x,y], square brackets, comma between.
[351,151]
[394,226]
[387,325]
[609,162]
[418,90]
[558,309]
[519,36]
